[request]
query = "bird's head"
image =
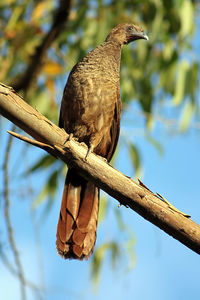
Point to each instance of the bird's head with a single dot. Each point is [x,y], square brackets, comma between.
[126,33]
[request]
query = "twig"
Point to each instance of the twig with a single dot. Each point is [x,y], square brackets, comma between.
[8,219]
[40,145]
[172,207]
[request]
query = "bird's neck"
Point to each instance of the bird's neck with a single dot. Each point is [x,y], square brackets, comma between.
[113,48]
[104,59]
[112,52]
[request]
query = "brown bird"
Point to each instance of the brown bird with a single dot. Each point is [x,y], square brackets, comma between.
[91,111]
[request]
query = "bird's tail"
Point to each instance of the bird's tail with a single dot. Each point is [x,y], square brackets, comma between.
[77,225]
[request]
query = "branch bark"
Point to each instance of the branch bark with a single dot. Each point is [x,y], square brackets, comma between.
[135,196]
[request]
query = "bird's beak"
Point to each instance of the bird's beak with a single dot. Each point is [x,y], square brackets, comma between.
[145,37]
[136,35]
[140,35]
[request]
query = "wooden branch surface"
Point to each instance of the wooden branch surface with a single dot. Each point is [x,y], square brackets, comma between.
[116,184]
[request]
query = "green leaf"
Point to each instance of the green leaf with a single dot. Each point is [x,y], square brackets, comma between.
[48,192]
[191,81]
[130,246]
[169,73]
[103,206]
[155,143]
[187,17]
[43,162]
[135,159]
[120,222]
[99,257]
[168,49]
[186,115]
[181,82]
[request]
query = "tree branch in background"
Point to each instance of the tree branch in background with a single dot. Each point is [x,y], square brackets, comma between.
[60,18]
[8,219]
[119,186]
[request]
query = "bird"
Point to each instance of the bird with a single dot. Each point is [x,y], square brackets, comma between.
[91,112]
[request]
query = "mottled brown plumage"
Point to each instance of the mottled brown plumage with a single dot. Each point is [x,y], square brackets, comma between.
[91,110]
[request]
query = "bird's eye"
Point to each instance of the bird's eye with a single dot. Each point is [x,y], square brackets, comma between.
[130,28]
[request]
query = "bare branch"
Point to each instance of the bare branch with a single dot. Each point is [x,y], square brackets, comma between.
[60,18]
[116,184]
[40,145]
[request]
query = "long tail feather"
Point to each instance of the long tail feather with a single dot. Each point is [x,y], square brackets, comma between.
[77,225]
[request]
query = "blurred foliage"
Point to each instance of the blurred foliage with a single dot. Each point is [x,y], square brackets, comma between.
[163,70]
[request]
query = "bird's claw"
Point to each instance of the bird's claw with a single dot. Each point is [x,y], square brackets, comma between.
[70,137]
[90,150]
